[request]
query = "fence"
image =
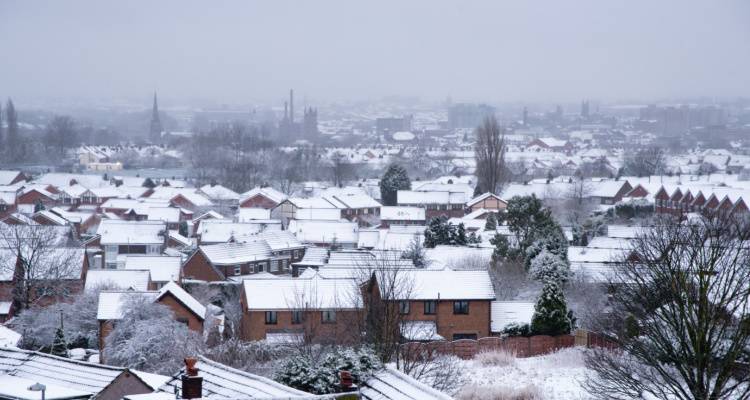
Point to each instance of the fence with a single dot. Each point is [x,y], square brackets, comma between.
[520,346]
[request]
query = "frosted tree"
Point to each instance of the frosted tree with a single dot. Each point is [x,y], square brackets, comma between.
[549,267]
[59,345]
[551,315]
[394,179]
[149,338]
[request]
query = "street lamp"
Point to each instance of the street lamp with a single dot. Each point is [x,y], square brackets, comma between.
[38,387]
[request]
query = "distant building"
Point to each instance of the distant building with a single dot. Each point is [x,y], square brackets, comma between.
[156,128]
[585,109]
[465,115]
[391,125]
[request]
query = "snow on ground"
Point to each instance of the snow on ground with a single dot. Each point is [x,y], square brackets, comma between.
[557,375]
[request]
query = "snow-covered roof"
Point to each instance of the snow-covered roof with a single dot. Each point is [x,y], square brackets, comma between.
[412,197]
[79,376]
[509,312]
[223,382]
[246,214]
[397,213]
[131,232]
[111,302]
[268,192]
[314,256]
[403,136]
[166,214]
[190,194]
[218,192]
[122,279]
[222,230]
[316,231]
[579,254]
[420,331]
[162,268]
[13,387]
[183,297]
[50,216]
[313,292]
[280,240]
[446,284]
[391,384]
[6,177]
[237,253]
[482,197]
[9,337]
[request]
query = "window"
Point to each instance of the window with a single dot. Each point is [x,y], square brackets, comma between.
[430,307]
[274,266]
[459,336]
[295,254]
[182,320]
[271,317]
[283,265]
[238,270]
[403,307]
[328,316]
[154,249]
[297,317]
[461,307]
[259,268]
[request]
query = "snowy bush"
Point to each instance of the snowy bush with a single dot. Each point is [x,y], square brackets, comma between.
[547,266]
[321,376]
[255,357]
[516,329]
[440,371]
[496,358]
[148,338]
[473,392]
[81,329]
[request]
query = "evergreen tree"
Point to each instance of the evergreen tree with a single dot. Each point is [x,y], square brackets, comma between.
[551,316]
[394,179]
[38,206]
[491,224]
[148,183]
[460,235]
[502,247]
[416,253]
[547,266]
[59,345]
[183,229]
[551,239]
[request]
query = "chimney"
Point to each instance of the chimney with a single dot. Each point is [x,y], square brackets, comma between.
[346,382]
[192,384]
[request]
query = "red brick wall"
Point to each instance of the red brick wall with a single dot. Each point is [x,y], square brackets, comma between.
[198,267]
[477,322]
[258,201]
[181,311]
[520,346]
[253,325]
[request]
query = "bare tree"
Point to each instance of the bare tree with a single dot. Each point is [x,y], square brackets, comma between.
[679,314]
[645,162]
[489,151]
[39,259]
[341,168]
[61,134]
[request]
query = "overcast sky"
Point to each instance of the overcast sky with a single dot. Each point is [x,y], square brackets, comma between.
[241,51]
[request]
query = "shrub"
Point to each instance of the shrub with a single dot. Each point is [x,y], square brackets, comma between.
[496,358]
[528,392]
[516,329]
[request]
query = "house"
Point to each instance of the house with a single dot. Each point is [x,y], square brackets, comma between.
[186,309]
[223,382]
[312,308]
[249,214]
[57,273]
[487,201]
[354,203]
[446,303]
[173,216]
[187,198]
[272,252]
[297,208]
[68,379]
[609,192]
[8,178]
[435,203]
[397,215]
[34,195]
[262,197]
[220,195]
[8,195]
[118,238]
[550,144]
[162,269]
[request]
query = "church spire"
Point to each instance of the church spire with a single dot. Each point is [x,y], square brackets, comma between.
[156,128]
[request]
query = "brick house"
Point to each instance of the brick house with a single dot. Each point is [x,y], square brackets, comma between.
[445,303]
[488,201]
[294,309]
[262,197]
[272,251]
[8,178]
[435,203]
[186,309]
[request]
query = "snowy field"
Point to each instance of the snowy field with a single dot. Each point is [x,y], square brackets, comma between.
[555,376]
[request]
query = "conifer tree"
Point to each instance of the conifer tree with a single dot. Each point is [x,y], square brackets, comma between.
[460,235]
[394,179]
[59,345]
[551,315]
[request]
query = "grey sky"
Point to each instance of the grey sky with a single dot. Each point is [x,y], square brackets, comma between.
[241,51]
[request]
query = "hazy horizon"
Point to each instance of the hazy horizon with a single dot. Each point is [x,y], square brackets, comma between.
[341,50]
